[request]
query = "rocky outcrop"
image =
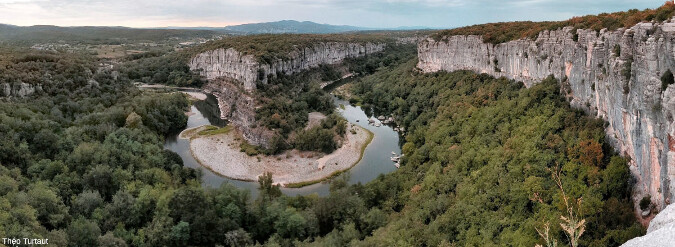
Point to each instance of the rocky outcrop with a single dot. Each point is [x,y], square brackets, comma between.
[614,75]
[18,89]
[233,77]
[246,69]
[238,107]
[661,231]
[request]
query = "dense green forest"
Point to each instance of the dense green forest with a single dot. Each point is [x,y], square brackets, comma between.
[161,67]
[479,158]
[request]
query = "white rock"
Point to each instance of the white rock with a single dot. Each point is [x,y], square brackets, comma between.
[661,231]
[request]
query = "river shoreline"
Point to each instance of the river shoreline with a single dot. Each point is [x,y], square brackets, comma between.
[221,154]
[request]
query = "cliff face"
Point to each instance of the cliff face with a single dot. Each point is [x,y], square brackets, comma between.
[233,76]
[238,107]
[614,75]
[246,69]
[661,231]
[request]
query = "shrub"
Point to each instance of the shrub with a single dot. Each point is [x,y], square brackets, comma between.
[667,79]
[627,70]
[316,139]
[645,202]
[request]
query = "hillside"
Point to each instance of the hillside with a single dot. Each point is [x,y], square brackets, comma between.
[496,33]
[98,35]
[291,26]
[268,47]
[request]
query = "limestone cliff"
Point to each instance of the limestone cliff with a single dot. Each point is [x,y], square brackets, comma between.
[248,70]
[233,77]
[661,231]
[614,75]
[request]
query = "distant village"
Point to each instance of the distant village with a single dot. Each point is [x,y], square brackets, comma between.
[120,48]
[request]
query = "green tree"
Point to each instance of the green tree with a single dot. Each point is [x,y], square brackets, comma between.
[51,211]
[83,232]
[180,234]
[86,202]
[267,187]
[110,240]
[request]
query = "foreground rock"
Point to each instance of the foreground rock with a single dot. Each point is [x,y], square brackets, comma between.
[614,75]
[661,231]
[222,154]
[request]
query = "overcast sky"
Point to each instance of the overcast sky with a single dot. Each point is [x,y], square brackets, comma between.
[366,13]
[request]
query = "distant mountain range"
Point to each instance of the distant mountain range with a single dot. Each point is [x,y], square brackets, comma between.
[289,26]
[292,26]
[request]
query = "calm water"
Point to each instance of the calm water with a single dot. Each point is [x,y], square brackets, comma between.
[376,159]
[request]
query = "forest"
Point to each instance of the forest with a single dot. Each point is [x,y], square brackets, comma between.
[21,35]
[480,157]
[82,164]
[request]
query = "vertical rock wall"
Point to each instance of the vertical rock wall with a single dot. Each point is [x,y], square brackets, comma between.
[233,76]
[614,75]
[245,68]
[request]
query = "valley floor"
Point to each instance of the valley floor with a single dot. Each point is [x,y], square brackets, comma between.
[222,154]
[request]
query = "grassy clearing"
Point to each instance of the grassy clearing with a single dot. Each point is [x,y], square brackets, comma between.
[250,150]
[213,130]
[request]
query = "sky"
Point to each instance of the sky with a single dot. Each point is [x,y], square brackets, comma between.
[365,13]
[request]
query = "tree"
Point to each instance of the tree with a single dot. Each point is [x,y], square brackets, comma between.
[237,238]
[86,202]
[666,80]
[110,240]
[51,211]
[83,232]
[133,120]
[100,178]
[187,204]
[267,187]
[290,224]
[180,234]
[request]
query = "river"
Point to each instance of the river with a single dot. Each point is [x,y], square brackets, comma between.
[376,159]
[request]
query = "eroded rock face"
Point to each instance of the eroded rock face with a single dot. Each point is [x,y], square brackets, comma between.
[233,76]
[624,89]
[246,69]
[661,231]
[238,107]
[19,89]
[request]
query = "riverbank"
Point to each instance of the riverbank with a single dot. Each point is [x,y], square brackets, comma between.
[221,153]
